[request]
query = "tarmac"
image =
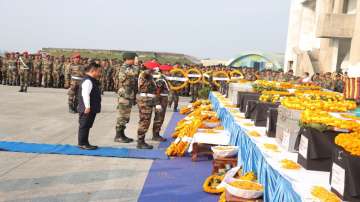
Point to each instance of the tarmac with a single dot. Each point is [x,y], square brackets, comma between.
[41,116]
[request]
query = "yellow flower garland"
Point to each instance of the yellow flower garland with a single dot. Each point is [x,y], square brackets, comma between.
[204,77]
[210,184]
[196,71]
[236,72]
[219,73]
[184,84]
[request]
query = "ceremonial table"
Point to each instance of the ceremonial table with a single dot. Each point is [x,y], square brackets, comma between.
[279,184]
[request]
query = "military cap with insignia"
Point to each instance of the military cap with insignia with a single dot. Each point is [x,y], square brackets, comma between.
[129,55]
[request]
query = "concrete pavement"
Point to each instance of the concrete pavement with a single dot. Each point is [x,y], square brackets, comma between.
[41,116]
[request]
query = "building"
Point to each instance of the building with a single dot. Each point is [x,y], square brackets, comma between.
[258,60]
[323,36]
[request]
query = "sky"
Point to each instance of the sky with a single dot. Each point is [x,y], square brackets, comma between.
[201,28]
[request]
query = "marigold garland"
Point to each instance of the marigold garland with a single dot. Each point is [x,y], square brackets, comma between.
[211,183]
[324,195]
[196,71]
[183,85]
[236,72]
[223,74]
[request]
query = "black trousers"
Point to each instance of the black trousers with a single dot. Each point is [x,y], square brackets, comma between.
[85,123]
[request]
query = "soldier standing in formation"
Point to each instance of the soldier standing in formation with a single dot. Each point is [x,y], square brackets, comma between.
[76,72]
[127,75]
[3,69]
[12,70]
[174,95]
[47,68]
[24,71]
[57,73]
[162,94]
[37,69]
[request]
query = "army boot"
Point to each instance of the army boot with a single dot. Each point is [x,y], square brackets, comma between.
[141,144]
[21,89]
[121,137]
[157,137]
[71,109]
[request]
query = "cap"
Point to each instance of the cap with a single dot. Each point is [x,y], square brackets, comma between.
[129,55]
[76,55]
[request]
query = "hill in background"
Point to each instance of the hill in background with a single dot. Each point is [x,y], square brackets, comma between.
[162,57]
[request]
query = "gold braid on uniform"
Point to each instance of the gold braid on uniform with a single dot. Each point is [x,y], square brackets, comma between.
[183,85]
[204,77]
[234,73]
[217,74]
[194,71]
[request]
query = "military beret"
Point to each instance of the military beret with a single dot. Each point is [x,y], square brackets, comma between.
[129,55]
[76,55]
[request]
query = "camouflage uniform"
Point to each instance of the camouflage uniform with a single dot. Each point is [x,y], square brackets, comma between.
[162,94]
[147,100]
[338,86]
[57,73]
[37,72]
[76,72]
[326,83]
[67,75]
[24,72]
[47,67]
[3,70]
[126,95]
[12,71]
[115,76]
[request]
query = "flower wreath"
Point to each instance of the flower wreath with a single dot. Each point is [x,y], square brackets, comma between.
[223,74]
[194,71]
[184,83]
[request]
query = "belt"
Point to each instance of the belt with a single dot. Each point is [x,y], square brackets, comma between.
[147,95]
[76,78]
[164,94]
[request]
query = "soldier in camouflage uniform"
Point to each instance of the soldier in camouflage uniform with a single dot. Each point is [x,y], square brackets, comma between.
[174,95]
[116,67]
[76,72]
[67,75]
[24,71]
[12,65]
[126,96]
[162,96]
[47,68]
[37,70]
[57,72]
[4,76]
[327,81]
[147,100]
[338,84]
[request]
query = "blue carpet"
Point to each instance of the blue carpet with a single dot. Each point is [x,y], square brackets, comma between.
[176,180]
[74,150]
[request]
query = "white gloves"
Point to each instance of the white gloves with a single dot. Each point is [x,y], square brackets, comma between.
[158,107]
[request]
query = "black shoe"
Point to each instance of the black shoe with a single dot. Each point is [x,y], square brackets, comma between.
[88,147]
[143,145]
[158,138]
[121,137]
[176,110]
[21,90]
